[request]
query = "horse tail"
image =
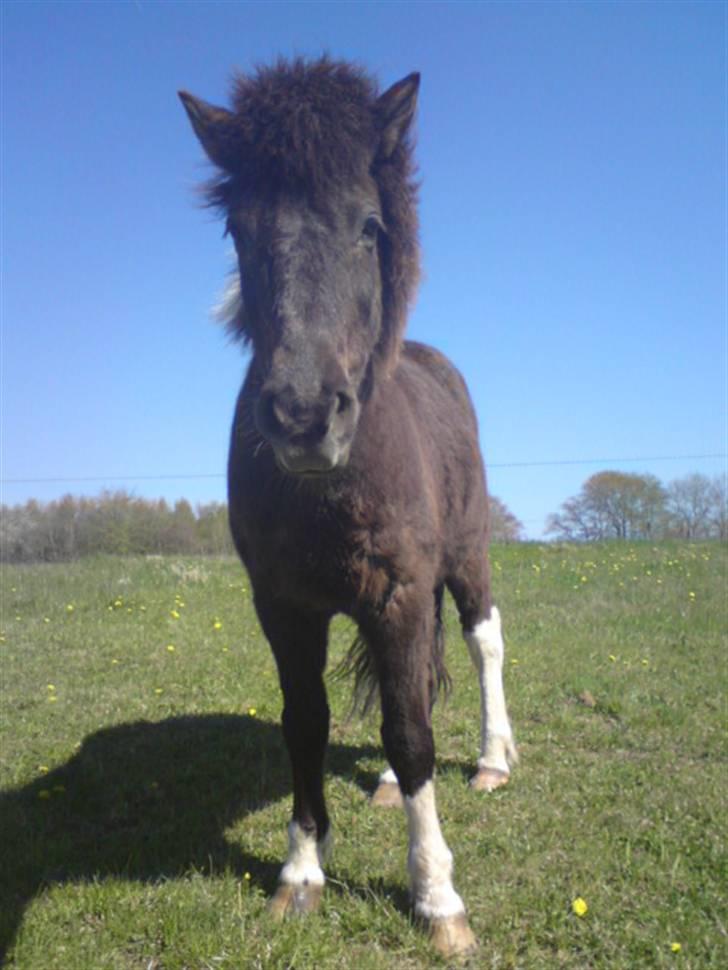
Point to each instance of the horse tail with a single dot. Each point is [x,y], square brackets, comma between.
[359,662]
[439,677]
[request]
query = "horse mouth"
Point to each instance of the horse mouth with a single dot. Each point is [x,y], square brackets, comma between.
[309,463]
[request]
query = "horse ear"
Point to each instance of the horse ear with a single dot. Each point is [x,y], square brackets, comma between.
[395,109]
[215,128]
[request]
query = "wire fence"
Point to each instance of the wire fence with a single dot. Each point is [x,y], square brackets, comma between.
[196,476]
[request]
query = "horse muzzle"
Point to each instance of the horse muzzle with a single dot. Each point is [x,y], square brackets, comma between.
[309,438]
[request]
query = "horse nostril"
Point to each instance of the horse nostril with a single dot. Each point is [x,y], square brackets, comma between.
[343,402]
[268,415]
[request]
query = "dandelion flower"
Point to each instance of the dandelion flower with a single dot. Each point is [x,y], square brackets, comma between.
[51,687]
[217,625]
[70,608]
[170,648]
[252,712]
[612,658]
[158,690]
[174,614]
[246,877]
[676,947]
[579,906]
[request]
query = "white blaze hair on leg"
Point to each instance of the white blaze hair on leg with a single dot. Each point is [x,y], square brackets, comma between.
[485,643]
[429,860]
[306,857]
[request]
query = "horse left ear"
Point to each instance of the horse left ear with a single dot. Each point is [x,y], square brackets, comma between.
[215,128]
[395,109]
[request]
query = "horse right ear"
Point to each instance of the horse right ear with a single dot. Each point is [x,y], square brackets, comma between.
[216,130]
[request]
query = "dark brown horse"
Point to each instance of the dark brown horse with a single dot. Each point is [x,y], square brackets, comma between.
[356,484]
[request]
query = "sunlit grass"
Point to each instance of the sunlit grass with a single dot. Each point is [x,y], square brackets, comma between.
[146,790]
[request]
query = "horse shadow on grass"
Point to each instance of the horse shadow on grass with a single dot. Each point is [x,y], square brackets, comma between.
[144,801]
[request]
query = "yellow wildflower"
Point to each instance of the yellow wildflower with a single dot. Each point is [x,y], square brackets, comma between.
[252,712]
[174,614]
[579,906]
[170,648]
[217,625]
[70,608]
[676,947]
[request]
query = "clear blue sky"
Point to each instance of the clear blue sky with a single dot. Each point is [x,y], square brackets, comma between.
[573,163]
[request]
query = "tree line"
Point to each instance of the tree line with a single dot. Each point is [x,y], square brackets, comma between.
[116,523]
[618,505]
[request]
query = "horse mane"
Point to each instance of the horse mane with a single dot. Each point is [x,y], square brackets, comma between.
[310,127]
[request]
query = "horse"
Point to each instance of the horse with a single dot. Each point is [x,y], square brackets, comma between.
[355,479]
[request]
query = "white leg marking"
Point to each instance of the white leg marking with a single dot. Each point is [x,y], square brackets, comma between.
[388,777]
[305,858]
[429,860]
[485,643]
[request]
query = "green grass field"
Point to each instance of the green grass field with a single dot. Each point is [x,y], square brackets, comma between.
[145,790]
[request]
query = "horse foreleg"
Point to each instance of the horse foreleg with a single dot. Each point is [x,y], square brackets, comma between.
[497,747]
[403,665]
[299,646]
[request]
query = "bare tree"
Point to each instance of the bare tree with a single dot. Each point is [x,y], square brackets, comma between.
[690,502]
[504,526]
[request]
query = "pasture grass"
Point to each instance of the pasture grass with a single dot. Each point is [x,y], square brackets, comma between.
[145,788]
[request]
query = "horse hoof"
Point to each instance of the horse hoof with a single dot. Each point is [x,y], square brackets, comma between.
[452,936]
[488,779]
[291,900]
[387,795]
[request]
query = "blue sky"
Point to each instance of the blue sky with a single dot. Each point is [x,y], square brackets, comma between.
[573,210]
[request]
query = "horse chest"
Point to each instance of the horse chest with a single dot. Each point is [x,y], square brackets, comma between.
[324,553]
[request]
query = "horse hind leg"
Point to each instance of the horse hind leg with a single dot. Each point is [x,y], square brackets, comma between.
[497,748]
[481,625]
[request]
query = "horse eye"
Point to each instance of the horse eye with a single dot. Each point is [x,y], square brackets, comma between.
[371,229]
